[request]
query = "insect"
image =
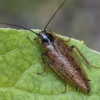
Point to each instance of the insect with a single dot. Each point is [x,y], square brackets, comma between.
[60,57]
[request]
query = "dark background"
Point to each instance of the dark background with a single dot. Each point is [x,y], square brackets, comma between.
[79,19]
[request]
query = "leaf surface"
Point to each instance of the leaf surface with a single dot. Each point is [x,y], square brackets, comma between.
[20,61]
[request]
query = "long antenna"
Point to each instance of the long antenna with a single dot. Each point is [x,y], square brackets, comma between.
[31,30]
[18,26]
[54,15]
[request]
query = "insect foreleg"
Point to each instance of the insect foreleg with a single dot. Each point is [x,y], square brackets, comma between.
[32,41]
[35,38]
[72,47]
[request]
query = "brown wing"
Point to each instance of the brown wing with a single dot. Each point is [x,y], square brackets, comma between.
[65,49]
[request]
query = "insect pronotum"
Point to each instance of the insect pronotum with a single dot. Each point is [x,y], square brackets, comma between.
[60,57]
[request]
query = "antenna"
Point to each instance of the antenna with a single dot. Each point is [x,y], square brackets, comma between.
[18,26]
[54,15]
[31,30]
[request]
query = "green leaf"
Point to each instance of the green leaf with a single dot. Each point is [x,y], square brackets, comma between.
[20,60]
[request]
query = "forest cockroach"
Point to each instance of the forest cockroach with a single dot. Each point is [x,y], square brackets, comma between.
[60,57]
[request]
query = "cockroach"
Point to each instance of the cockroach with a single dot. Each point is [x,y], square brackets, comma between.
[60,57]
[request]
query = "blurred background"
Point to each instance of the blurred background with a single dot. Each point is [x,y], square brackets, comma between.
[79,19]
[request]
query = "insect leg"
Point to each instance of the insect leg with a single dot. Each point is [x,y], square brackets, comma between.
[68,39]
[72,47]
[76,88]
[45,66]
[65,86]
[32,41]
[35,38]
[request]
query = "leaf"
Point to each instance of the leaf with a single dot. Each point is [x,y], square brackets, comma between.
[20,60]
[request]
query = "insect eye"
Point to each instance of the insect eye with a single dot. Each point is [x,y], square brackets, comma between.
[45,40]
[50,37]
